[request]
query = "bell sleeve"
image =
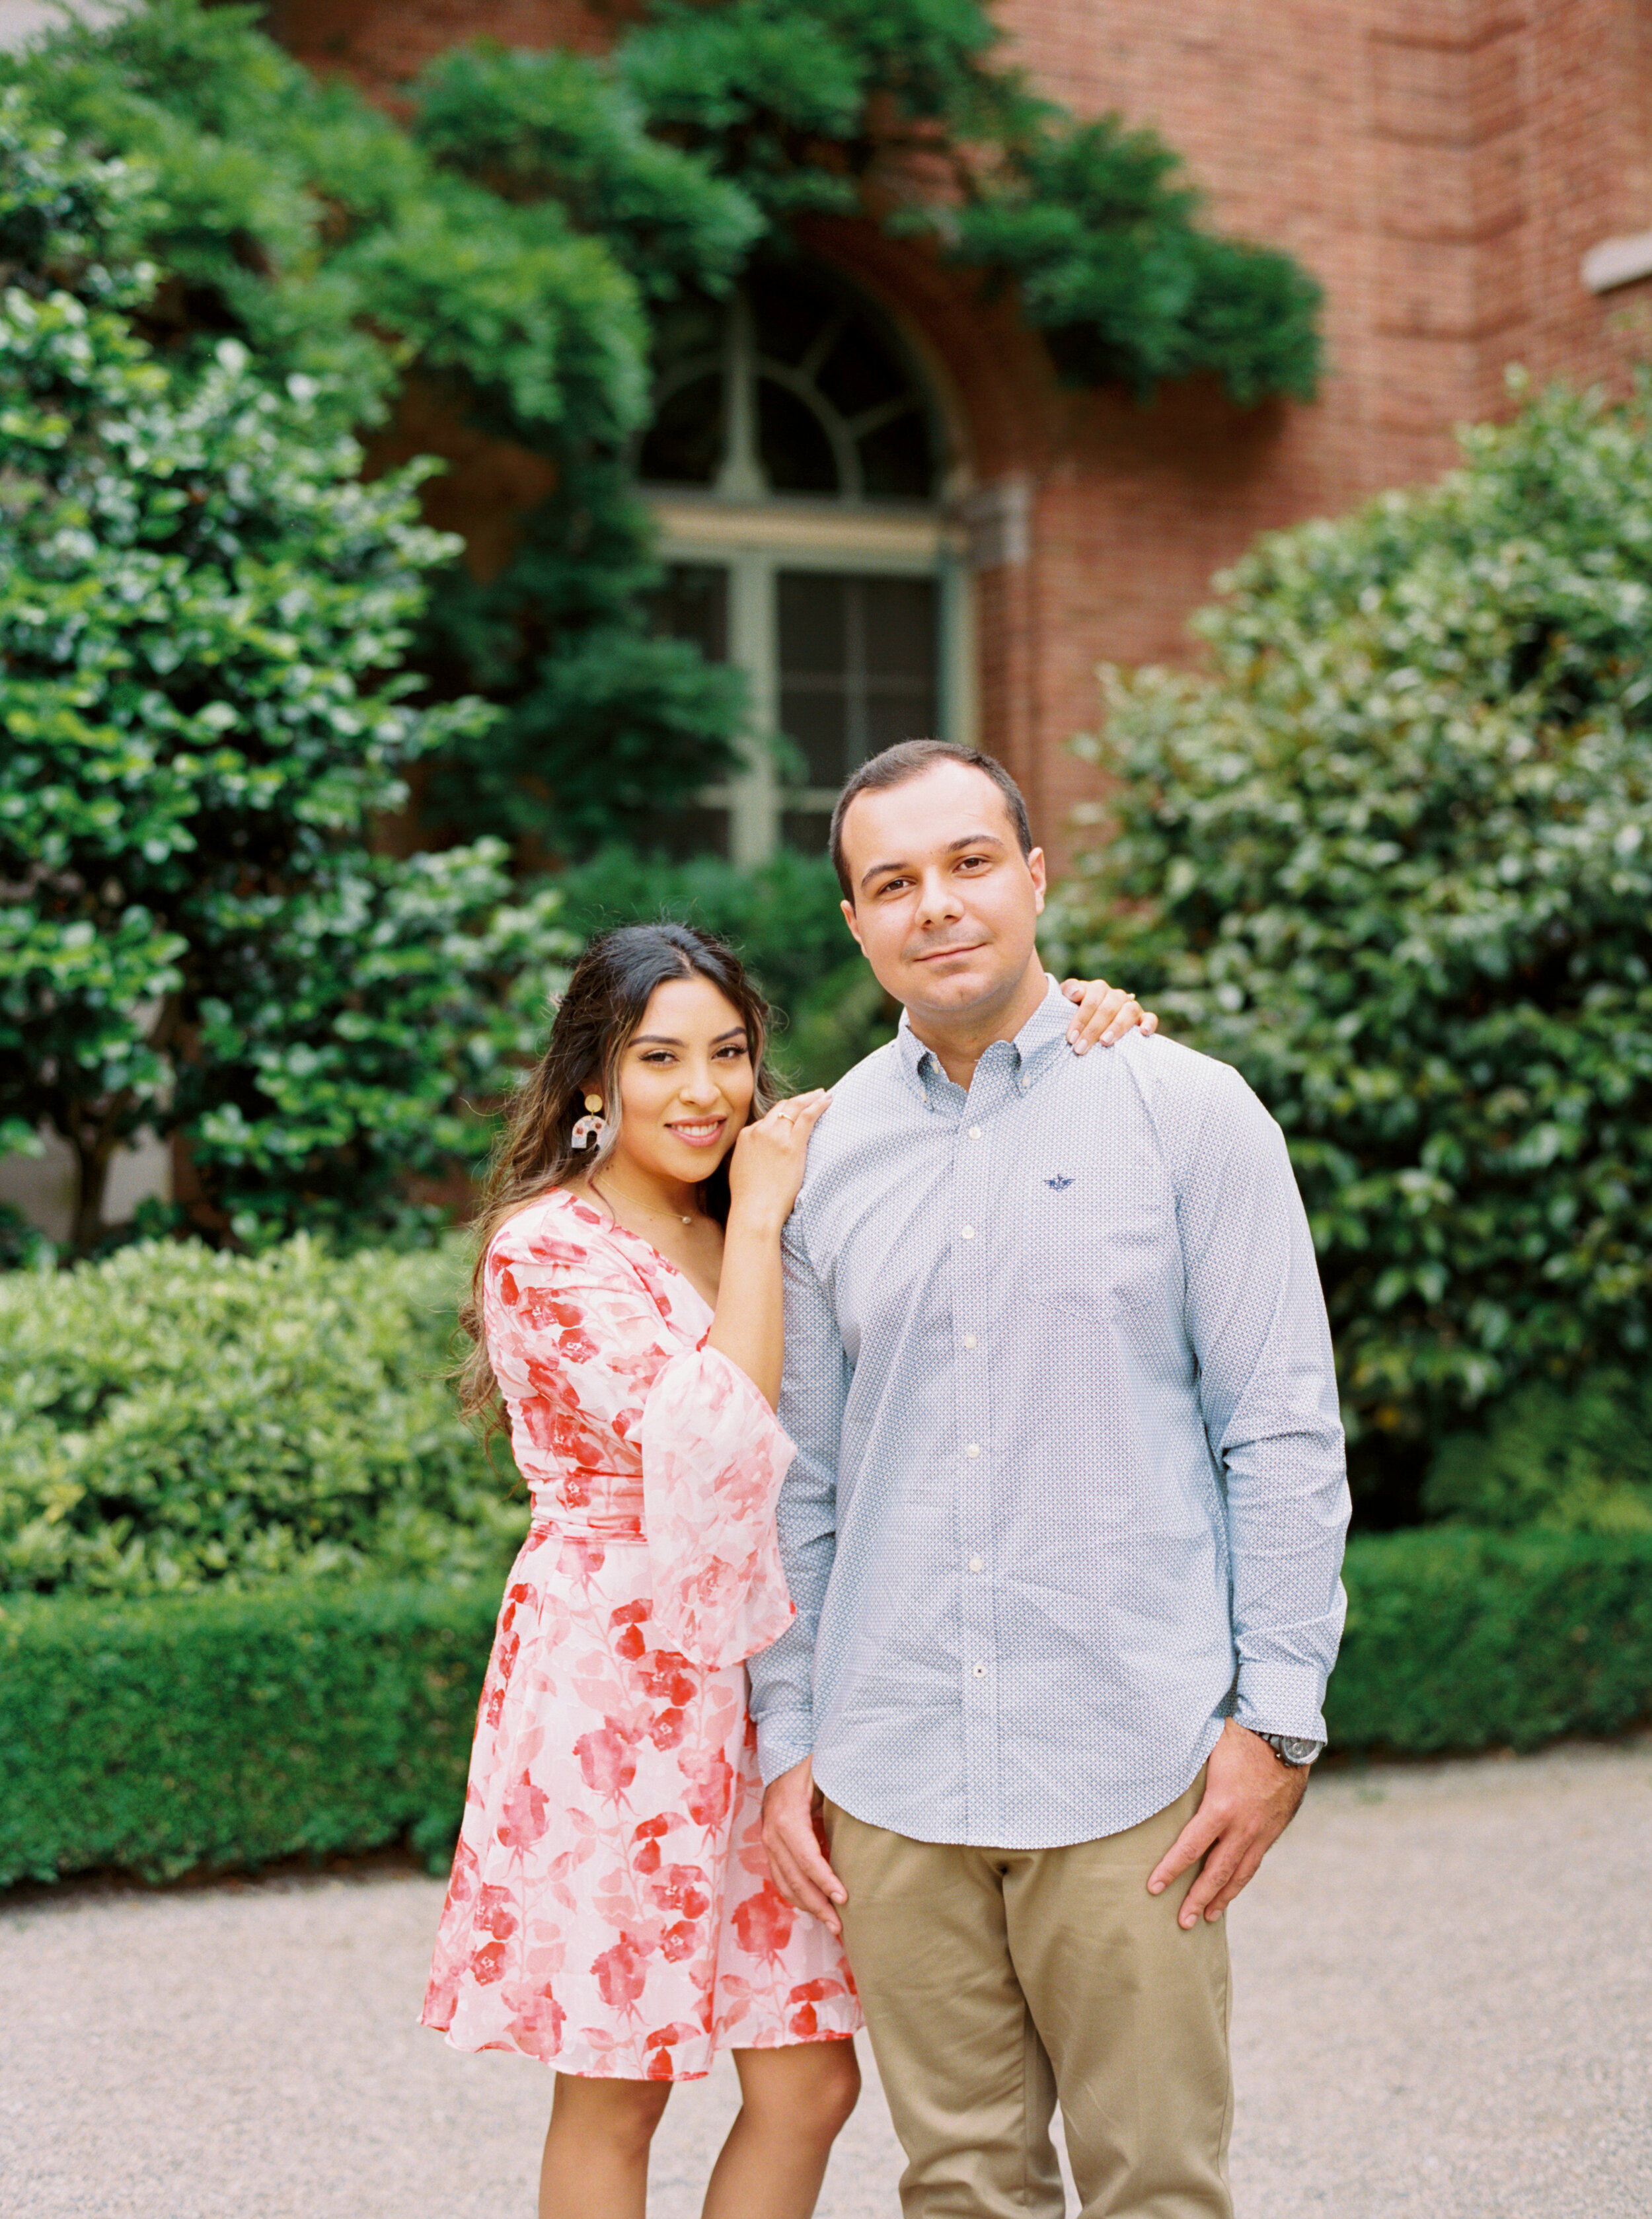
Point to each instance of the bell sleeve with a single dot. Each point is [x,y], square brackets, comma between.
[713,1458]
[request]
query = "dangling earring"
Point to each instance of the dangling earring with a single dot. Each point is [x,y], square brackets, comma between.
[590,1130]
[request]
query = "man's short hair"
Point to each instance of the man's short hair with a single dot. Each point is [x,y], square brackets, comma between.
[909,759]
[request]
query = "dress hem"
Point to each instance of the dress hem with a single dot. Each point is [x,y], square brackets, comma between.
[554,2064]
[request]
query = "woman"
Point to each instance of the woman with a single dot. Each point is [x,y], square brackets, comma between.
[610,1910]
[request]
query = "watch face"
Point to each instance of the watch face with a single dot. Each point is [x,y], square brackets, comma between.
[1295,1750]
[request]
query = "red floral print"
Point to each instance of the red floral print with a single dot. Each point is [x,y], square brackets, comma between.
[764,1923]
[606,1759]
[619,1972]
[610,1910]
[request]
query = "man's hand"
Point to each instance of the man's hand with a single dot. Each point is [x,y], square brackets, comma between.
[1249,1798]
[795,1856]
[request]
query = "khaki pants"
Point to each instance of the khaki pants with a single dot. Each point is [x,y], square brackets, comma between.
[993,1979]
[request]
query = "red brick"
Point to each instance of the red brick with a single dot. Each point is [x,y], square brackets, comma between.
[1442,165]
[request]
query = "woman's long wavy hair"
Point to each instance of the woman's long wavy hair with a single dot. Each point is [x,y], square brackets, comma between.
[605,1003]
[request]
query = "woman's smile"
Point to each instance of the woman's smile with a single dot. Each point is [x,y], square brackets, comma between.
[697,1132]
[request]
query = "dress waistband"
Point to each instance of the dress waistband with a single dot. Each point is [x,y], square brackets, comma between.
[608,1526]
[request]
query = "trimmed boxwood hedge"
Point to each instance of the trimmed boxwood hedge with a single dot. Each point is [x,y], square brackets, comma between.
[228,1729]
[224,1729]
[1463,1639]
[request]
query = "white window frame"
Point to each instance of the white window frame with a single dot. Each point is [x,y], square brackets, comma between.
[753,543]
[752,534]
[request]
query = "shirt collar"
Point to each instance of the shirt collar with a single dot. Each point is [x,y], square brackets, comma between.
[1031,1052]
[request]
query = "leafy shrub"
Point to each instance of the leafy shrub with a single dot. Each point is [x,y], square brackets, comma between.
[1457,1639]
[782,917]
[1580,1462]
[227,1729]
[506,247]
[1096,225]
[1392,856]
[784,921]
[485,262]
[202,614]
[174,1417]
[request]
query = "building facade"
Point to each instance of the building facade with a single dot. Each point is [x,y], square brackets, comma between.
[874,495]
[950,539]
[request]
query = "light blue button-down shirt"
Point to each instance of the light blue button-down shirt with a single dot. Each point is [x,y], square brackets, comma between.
[1069,1485]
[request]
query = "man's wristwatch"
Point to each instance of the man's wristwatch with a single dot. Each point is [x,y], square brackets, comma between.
[1292,1750]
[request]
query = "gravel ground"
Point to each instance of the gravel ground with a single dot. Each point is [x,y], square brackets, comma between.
[1444,2009]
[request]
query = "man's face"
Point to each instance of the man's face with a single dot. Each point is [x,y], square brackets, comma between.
[945,905]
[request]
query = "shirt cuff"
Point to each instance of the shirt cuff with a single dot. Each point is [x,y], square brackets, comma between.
[784,1739]
[1282,1699]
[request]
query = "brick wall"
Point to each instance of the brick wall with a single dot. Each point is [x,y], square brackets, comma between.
[1442,165]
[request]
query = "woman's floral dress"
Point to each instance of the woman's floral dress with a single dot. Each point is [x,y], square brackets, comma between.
[610,1910]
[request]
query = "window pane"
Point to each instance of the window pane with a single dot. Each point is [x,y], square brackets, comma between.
[813,716]
[684,833]
[788,315]
[901,629]
[859,373]
[693,604]
[857,658]
[806,829]
[894,717]
[895,463]
[685,441]
[813,612]
[797,454]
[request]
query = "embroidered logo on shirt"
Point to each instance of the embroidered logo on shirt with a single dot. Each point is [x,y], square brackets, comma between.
[1059,1181]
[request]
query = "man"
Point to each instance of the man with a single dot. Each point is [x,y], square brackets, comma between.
[1063,1531]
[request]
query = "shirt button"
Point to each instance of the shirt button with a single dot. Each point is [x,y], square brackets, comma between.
[980,1671]
[975,1563]
[975,1131]
[969,1340]
[1025,1083]
[973,1450]
[969,1232]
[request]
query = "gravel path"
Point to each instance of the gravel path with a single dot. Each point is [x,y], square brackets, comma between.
[1444,2010]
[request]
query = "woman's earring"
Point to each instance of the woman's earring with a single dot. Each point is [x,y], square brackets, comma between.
[591,1130]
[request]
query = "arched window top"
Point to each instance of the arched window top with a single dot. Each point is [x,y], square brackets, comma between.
[790,386]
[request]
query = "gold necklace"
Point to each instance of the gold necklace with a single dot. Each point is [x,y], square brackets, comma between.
[661,1214]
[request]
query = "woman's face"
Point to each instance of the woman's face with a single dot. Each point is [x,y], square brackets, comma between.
[686,1083]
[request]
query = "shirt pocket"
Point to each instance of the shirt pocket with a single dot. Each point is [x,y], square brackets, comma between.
[1101,1243]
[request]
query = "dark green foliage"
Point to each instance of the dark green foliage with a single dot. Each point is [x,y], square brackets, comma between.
[227,1729]
[338,245]
[862,102]
[803,105]
[174,1418]
[292,214]
[372,1017]
[1391,857]
[844,1017]
[1459,1640]
[604,725]
[538,126]
[201,613]
[1578,1462]
[510,241]
[1098,229]
[783,920]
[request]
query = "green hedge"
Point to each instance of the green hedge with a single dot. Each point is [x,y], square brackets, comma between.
[227,1729]
[1463,1639]
[224,1729]
[176,1416]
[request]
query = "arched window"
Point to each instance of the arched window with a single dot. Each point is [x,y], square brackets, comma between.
[794,462]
